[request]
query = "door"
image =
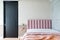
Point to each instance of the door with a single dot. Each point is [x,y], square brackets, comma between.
[10,19]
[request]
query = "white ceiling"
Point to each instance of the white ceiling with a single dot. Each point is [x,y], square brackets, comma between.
[19,0]
[10,0]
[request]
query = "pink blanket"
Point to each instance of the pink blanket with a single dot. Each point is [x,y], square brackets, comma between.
[38,36]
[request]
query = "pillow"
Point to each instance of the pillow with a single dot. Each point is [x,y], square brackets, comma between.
[48,31]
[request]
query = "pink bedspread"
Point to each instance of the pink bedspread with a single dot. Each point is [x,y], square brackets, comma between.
[38,36]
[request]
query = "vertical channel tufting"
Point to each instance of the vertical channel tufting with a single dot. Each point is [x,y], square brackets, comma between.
[40,24]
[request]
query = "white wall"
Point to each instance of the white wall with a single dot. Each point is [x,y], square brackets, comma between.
[31,9]
[1,19]
[56,14]
[34,9]
[10,0]
[1,12]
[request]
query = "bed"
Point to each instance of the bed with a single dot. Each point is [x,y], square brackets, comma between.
[41,29]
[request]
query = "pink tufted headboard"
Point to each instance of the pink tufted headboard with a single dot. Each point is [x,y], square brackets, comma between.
[40,24]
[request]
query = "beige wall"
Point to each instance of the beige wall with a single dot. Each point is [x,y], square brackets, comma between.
[33,9]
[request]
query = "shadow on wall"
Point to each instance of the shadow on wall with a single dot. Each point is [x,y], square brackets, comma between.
[56,24]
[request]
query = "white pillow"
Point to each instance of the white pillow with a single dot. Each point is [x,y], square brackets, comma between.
[42,30]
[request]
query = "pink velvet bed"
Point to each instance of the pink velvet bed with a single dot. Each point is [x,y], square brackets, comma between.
[41,30]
